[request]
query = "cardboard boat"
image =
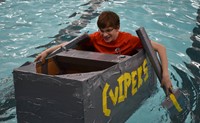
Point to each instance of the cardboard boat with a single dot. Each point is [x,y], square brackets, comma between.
[76,86]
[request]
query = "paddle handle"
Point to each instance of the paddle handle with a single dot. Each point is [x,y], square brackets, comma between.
[150,51]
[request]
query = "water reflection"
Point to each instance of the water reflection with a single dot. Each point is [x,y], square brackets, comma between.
[191,84]
[73,29]
[7,100]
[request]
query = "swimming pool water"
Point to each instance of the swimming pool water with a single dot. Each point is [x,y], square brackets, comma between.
[29,26]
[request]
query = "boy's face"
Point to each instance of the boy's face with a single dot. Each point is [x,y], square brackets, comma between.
[109,34]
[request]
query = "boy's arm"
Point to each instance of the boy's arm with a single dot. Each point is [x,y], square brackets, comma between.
[45,53]
[166,82]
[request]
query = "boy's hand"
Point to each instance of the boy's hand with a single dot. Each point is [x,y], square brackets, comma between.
[41,57]
[166,85]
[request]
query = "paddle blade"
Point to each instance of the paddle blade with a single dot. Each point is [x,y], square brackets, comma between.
[177,105]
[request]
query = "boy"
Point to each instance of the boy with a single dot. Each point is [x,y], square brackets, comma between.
[110,40]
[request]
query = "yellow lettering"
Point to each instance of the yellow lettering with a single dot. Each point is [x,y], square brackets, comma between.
[106,111]
[127,83]
[134,82]
[139,70]
[145,70]
[113,96]
[120,81]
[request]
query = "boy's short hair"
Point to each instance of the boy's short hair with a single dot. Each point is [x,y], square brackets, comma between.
[108,19]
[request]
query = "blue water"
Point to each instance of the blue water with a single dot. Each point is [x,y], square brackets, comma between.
[27,27]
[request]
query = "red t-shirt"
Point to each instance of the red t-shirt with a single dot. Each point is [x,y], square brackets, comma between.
[125,43]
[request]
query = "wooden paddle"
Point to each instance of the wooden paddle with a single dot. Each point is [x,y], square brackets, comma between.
[176,102]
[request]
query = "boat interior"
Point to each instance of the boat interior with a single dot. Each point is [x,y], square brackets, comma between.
[79,59]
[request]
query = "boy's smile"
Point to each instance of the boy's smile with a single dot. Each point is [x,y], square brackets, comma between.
[109,34]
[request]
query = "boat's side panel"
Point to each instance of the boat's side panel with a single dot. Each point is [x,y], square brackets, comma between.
[117,93]
[47,99]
